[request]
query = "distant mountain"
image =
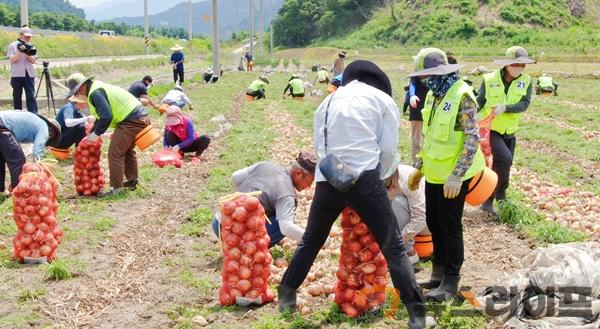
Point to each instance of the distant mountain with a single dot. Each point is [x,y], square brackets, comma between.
[118,8]
[56,6]
[230,21]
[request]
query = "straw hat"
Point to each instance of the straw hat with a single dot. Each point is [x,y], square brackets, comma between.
[177,47]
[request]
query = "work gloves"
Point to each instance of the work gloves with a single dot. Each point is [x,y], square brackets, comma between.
[499,109]
[452,186]
[92,137]
[414,101]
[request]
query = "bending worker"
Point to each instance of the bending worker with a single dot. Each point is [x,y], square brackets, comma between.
[139,89]
[278,186]
[545,85]
[257,87]
[507,93]
[295,86]
[72,124]
[322,76]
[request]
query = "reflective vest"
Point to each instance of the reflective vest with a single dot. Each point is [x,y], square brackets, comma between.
[297,86]
[545,82]
[442,145]
[121,102]
[257,85]
[322,76]
[505,123]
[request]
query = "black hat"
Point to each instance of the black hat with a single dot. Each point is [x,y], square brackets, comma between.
[308,161]
[369,73]
[54,125]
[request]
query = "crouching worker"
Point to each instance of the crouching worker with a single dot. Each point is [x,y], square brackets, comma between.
[180,134]
[546,85]
[256,90]
[72,124]
[295,86]
[176,96]
[278,186]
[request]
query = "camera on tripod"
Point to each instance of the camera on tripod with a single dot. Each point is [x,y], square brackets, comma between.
[26,47]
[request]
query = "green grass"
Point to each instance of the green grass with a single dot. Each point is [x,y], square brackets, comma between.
[205,285]
[58,270]
[29,295]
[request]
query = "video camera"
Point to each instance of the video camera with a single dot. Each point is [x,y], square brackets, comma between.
[25,47]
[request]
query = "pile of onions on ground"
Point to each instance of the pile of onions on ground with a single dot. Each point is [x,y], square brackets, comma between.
[246,258]
[35,208]
[362,269]
[89,175]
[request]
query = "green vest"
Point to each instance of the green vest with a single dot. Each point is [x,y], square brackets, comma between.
[121,102]
[257,85]
[297,86]
[322,75]
[545,82]
[505,123]
[442,145]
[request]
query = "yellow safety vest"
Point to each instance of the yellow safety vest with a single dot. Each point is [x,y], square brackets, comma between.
[505,123]
[442,145]
[545,82]
[121,102]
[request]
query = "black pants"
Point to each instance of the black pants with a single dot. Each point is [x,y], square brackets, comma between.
[178,74]
[369,199]
[199,145]
[258,94]
[444,221]
[12,155]
[70,136]
[503,151]
[27,83]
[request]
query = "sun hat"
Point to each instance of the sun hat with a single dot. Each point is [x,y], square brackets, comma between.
[515,55]
[54,125]
[264,79]
[26,31]
[176,47]
[75,81]
[173,116]
[433,61]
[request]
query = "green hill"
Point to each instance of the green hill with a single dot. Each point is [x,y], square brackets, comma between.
[569,24]
[55,6]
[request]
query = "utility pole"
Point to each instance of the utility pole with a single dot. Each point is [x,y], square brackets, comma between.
[237,16]
[215,42]
[24,13]
[262,28]
[190,23]
[146,34]
[271,27]
[251,20]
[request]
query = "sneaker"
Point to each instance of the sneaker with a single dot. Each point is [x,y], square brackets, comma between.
[112,191]
[131,184]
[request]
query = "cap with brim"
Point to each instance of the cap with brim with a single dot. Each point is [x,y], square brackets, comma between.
[433,61]
[75,81]
[27,32]
[515,55]
[176,47]
[54,125]
[308,161]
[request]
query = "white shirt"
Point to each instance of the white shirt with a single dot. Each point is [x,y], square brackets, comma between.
[176,96]
[415,200]
[362,129]
[23,65]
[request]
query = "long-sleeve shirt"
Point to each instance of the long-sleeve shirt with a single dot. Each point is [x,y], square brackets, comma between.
[175,96]
[466,121]
[518,107]
[416,202]
[362,129]
[68,116]
[99,99]
[27,128]
[190,136]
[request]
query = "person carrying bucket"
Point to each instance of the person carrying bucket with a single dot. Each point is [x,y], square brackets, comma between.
[295,86]
[113,107]
[449,159]
[256,90]
[506,93]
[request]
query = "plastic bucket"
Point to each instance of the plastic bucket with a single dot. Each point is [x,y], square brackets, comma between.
[299,98]
[481,187]
[424,246]
[147,137]
[250,98]
[163,108]
[60,154]
[331,89]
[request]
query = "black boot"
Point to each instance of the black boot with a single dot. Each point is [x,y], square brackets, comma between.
[416,315]
[488,207]
[287,298]
[435,279]
[446,291]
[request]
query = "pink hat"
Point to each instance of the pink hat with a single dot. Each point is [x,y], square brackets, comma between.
[174,116]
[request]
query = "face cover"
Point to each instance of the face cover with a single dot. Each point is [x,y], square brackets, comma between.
[514,71]
[439,84]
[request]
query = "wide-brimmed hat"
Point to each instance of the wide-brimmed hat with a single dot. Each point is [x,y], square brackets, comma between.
[208,70]
[75,81]
[515,55]
[174,115]
[342,54]
[264,79]
[433,61]
[78,99]
[307,161]
[176,47]
[26,31]
[295,76]
[55,126]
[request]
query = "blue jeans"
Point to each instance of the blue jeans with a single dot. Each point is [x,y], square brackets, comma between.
[26,83]
[272,229]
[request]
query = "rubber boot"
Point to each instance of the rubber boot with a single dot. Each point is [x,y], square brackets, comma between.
[446,291]
[287,298]
[435,279]
[416,315]
[488,207]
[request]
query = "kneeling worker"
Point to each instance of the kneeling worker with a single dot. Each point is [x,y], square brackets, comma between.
[295,86]
[278,186]
[72,124]
[257,88]
[545,85]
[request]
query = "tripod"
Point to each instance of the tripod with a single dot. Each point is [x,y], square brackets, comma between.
[49,93]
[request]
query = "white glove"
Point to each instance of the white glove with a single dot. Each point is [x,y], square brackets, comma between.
[499,109]
[452,187]
[414,101]
[175,148]
[92,137]
[91,118]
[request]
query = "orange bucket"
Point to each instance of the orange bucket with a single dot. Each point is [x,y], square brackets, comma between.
[60,154]
[163,108]
[250,98]
[147,137]
[481,187]
[331,89]
[299,98]
[424,246]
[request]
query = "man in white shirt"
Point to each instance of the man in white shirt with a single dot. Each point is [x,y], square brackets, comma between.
[358,124]
[176,96]
[22,73]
